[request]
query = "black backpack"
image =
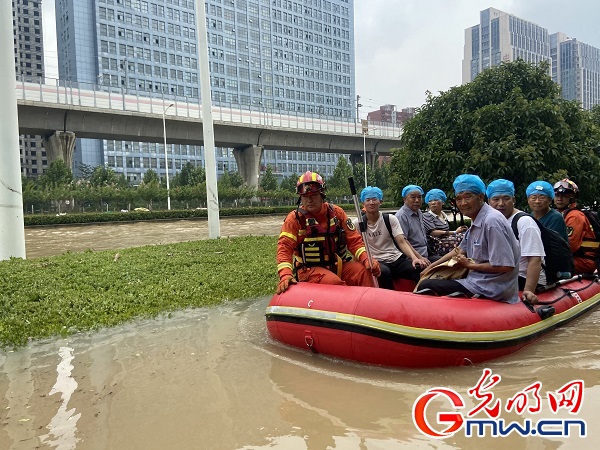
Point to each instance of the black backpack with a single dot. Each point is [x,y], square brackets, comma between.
[558,262]
[388,225]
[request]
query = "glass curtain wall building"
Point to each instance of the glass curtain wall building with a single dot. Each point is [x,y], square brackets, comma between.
[294,57]
[576,67]
[29,63]
[500,36]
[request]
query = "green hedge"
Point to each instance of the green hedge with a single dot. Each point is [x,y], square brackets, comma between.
[86,218]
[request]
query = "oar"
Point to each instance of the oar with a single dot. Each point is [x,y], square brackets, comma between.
[559,283]
[362,225]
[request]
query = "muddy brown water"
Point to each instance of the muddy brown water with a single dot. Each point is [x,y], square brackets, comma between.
[213,379]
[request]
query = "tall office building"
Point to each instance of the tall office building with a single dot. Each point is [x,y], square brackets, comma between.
[576,68]
[290,56]
[29,64]
[500,36]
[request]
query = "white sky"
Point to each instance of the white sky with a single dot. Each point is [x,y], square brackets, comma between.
[407,47]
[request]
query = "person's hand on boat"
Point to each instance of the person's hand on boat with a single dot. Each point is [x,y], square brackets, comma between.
[285,283]
[421,262]
[530,297]
[376,269]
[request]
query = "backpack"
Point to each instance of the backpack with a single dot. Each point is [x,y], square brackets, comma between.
[388,225]
[592,217]
[558,262]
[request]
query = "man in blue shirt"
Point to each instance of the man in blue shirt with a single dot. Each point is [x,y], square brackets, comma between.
[489,249]
[410,217]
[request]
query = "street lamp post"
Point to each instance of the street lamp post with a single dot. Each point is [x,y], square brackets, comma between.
[166,157]
[365,131]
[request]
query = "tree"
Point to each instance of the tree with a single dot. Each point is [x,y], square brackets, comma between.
[151,177]
[103,176]
[341,173]
[56,175]
[288,184]
[189,175]
[509,122]
[268,181]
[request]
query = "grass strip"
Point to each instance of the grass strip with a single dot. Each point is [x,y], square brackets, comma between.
[73,292]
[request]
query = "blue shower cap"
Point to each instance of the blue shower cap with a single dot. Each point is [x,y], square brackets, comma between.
[541,188]
[410,188]
[500,187]
[435,194]
[468,182]
[371,192]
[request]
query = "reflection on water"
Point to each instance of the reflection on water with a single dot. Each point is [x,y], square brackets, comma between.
[63,425]
[213,379]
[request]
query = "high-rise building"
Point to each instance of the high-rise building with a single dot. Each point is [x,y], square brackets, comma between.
[502,37]
[290,56]
[576,68]
[29,63]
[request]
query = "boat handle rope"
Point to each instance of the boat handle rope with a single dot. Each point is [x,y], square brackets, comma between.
[568,293]
[308,340]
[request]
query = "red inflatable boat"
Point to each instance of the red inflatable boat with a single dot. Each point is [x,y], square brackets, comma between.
[403,329]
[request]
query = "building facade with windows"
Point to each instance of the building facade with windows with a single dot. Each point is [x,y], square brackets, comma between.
[29,63]
[294,57]
[576,68]
[502,37]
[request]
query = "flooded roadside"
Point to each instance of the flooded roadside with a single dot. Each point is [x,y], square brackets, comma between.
[213,379]
[48,241]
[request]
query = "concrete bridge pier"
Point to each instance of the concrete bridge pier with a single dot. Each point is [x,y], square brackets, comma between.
[248,162]
[60,145]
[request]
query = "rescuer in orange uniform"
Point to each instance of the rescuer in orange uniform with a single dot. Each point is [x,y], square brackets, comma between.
[318,243]
[581,235]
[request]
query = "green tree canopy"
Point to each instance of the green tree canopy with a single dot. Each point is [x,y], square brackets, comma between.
[56,175]
[269,180]
[103,176]
[339,179]
[151,177]
[189,175]
[288,184]
[509,122]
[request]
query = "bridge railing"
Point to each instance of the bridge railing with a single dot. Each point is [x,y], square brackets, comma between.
[88,95]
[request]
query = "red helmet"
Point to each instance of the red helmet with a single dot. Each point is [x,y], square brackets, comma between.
[566,186]
[310,183]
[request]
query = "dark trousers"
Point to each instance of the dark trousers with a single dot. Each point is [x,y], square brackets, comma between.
[444,287]
[401,268]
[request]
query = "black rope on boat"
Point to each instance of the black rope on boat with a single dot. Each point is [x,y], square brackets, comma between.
[567,293]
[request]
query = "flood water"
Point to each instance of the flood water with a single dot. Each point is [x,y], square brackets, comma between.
[213,379]
[41,241]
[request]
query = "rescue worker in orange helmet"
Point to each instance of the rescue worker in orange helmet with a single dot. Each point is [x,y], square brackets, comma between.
[581,235]
[318,243]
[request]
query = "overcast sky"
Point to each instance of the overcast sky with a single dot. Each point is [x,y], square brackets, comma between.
[407,47]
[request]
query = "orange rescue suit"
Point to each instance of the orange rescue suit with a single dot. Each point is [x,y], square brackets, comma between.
[581,240]
[322,258]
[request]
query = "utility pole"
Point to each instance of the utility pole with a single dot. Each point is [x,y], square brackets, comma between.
[12,231]
[358,105]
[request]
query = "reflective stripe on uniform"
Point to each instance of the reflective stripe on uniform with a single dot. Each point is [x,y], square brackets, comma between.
[289,235]
[284,265]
